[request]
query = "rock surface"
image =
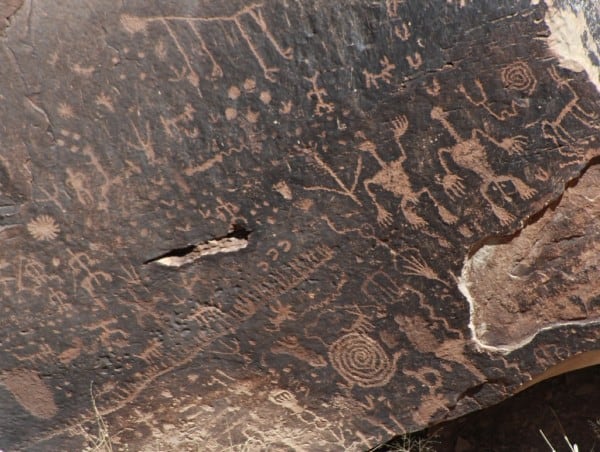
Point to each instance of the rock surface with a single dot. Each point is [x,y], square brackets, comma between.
[565,405]
[237,224]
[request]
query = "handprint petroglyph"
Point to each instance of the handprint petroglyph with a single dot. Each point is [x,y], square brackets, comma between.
[470,153]
[393,178]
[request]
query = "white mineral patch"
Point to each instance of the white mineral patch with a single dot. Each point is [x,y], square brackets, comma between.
[478,329]
[571,39]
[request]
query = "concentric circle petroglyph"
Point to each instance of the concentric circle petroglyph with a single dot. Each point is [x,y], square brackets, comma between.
[518,76]
[361,360]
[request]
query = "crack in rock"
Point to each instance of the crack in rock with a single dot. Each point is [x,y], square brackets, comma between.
[232,242]
[543,276]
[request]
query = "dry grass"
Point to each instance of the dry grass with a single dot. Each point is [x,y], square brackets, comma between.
[100,442]
[572,447]
[407,443]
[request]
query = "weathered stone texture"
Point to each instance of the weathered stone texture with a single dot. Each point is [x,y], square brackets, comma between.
[323,170]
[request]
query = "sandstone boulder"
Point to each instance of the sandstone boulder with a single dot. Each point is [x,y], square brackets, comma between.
[290,225]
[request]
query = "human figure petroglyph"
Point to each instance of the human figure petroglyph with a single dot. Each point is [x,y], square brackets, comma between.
[555,129]
[516,76]
[470,153]
[385,75]
[181,125]
[81,264]
[318,93]
[393,178]
[79,182]
[481,100]
[282,313]
[288,400]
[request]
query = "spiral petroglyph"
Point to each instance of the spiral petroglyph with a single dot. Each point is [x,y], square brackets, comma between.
[362,361]
[518,76]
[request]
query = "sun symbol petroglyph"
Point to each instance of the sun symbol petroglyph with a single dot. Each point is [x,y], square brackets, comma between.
[518,76]
[393,178]
[362,361]
[471,154]
[65,110]
[103,100]
[43,227]
[134,24]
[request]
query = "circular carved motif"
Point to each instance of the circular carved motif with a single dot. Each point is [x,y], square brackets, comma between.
[518,76]
[361,360]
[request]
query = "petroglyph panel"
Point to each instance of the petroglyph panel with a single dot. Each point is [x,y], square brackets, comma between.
[243,224]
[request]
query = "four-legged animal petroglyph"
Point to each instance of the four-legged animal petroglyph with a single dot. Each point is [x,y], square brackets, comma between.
[555,130]
[393,178]
[135,24]
[470,153]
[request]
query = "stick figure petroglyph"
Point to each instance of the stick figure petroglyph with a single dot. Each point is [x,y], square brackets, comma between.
[385,75]
[393,178]
[470,153]
[555,129]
